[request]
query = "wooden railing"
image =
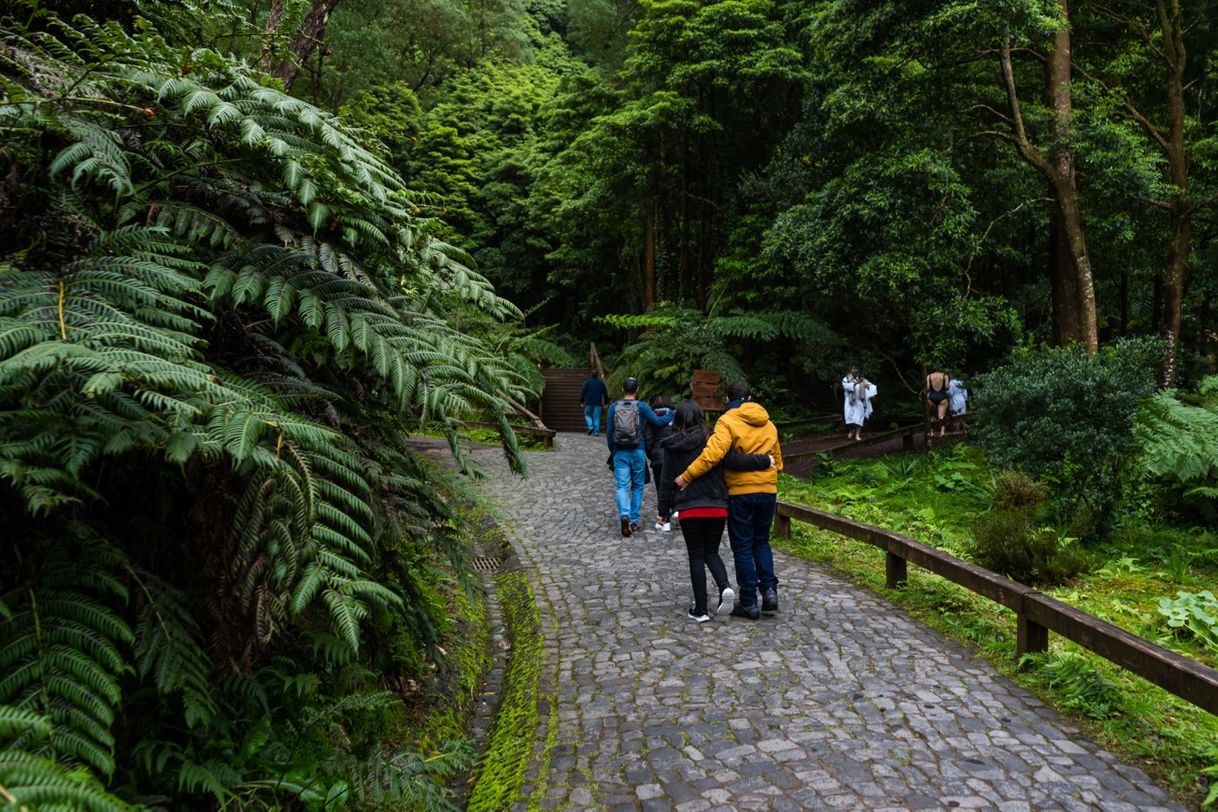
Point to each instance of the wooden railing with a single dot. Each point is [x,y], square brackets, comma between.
[906,433]
[1036,614]
[546,435]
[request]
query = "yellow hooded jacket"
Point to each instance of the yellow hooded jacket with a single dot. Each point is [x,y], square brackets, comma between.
[747,429]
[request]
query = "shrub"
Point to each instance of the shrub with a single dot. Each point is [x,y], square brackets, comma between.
[1066,418]
[1011,541]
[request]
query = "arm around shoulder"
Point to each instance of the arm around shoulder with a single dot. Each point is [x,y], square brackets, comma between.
[746,462]
[718,444]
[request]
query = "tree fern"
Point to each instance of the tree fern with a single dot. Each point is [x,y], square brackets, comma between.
[60,648]
[1179,439]
[213,289]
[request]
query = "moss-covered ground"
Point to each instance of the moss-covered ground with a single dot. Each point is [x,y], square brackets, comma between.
[501,770]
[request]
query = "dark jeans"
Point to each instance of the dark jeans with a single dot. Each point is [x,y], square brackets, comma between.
[749,517]
[702,538]
[655,479]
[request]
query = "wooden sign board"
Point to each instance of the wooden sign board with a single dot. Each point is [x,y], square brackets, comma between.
[704,387]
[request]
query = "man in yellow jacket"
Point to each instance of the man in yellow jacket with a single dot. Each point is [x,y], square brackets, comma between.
[752,496]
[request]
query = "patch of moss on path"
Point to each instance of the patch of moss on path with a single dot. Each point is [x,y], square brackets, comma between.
[501,771]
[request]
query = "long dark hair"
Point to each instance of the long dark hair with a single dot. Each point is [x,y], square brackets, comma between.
[688,418]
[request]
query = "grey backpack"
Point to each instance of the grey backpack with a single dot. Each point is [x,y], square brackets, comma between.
[626,431]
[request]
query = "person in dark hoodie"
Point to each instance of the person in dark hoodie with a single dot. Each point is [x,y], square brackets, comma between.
[662,406]
[702,505]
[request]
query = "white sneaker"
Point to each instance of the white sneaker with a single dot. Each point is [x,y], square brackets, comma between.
[725,599]
[666,527]
[659,526]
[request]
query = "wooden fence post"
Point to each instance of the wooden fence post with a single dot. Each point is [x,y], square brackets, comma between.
[1031,637]
[782,526]
[897,571]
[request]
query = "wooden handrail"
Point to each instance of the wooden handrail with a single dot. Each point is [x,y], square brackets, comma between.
[906,432]
[1036,613]
[546,434]
[827,417]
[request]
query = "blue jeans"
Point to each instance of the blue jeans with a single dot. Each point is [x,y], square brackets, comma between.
[749,517]
[592,419]
[628,474]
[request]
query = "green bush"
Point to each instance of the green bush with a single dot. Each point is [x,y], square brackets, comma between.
[1066,418]
[1010,539]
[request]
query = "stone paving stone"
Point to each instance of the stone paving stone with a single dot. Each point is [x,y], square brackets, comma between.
[840,701]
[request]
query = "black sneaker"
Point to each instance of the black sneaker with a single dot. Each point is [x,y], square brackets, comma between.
[751,612]
[634,527]
[626,528]
[769,601]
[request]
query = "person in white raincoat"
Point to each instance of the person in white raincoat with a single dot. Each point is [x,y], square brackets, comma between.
[857,393]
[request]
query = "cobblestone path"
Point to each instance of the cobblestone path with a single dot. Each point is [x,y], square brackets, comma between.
[841,701]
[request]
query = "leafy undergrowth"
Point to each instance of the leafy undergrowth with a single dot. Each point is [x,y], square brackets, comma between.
[936,498]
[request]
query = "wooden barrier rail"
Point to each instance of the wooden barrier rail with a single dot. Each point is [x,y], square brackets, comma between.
[546,435]
[906,433]
[828,417]
[1036,614]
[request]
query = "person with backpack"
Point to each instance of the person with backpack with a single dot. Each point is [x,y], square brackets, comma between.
[702,505]
[662,406]
[625,432]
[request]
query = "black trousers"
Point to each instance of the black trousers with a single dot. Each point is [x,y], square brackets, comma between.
[702,537]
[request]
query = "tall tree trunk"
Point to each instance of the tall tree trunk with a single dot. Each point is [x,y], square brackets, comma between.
[1076,240]
[1181,213]
[1064,286]
[274,19]
[1058,168]
[1058,79]
[649,259]
[687,281]
[311,32]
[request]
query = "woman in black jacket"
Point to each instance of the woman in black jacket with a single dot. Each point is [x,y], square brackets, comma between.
[703,505]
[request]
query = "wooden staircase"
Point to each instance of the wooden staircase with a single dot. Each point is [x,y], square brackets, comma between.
[560,407]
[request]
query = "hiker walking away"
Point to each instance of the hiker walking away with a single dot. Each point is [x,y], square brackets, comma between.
[662,406]
[937,384]
[593,396]
[625,431]
[702,505]
[745,427]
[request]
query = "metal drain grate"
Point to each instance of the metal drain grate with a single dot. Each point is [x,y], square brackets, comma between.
[486,563]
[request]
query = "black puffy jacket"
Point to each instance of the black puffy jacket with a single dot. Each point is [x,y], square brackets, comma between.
[680,449]
[656,438]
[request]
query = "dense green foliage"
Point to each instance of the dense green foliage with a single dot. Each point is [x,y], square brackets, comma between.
[219,315]
[1179,448]
[1015,539]
[1067,418]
